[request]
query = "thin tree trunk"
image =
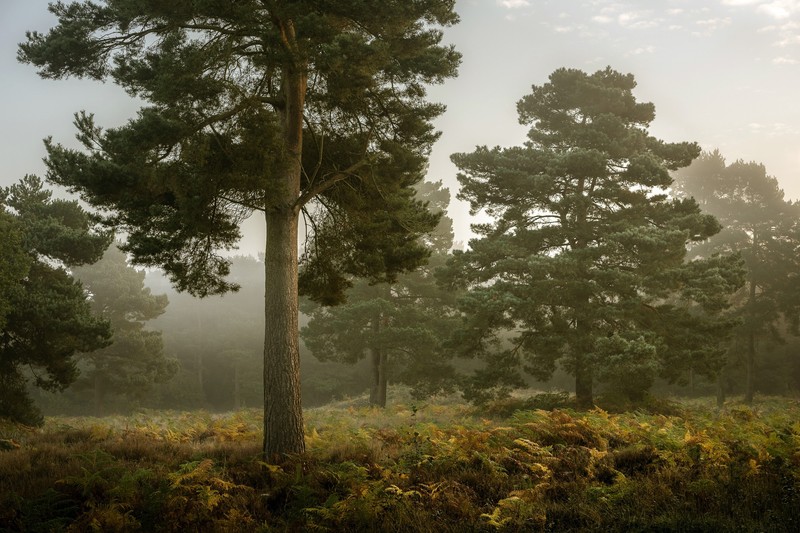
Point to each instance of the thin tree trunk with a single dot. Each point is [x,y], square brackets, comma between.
[583,370]
[382,378]
[583,383]
[750,368]
[377,390]
[750,363]
[374,371]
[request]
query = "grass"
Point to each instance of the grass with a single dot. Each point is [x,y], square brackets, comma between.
[438,466]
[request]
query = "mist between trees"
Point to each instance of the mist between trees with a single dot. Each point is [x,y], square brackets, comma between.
[595,268]
[450,326]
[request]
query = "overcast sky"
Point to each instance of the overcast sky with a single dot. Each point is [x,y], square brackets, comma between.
[724,73]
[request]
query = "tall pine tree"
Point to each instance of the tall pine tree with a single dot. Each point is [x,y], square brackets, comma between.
[258,105]
[583,262]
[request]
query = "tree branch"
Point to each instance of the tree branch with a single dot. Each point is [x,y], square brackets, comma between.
[323,186]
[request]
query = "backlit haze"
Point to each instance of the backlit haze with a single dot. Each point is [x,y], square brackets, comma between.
[723,73]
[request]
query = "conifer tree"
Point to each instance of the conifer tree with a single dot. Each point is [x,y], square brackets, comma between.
[583,262]
[764,228]
[135,359]
[283,107]
[46,318]
[400,327]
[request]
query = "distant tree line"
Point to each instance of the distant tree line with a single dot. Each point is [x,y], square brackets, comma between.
[606,254]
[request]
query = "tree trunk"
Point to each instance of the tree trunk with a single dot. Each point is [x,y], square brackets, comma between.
[377,391]
[382,379]
[374,370]
[583,383]
[750,364]
[583,370]
[283,415]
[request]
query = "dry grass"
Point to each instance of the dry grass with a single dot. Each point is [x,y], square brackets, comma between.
[440,466]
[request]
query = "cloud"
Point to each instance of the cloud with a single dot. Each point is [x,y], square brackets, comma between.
[781,9]
[777,9]
[637,20]
[513,4]
[787,33]
[788,40]
[783,60]
[642,50]
[709,26]
[776,129]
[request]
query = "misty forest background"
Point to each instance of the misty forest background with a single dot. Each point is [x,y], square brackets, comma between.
[605,262]
[181,352]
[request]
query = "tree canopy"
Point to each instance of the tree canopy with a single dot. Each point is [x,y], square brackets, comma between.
[281,107]
[46,317]
[582,264]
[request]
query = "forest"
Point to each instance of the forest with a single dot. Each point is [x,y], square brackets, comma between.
[616,347]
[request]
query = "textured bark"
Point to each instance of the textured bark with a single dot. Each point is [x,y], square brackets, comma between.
[283,416]
[377,391]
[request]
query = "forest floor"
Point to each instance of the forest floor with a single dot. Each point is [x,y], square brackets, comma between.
[436,466]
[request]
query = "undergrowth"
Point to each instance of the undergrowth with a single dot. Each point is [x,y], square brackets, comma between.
[438,466]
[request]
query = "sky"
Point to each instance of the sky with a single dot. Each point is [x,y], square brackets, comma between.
[723,73]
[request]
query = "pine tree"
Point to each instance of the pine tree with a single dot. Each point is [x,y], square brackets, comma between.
[583,262]
[258,105]
[400,327]
[46,317]
[764,228]
[135,359]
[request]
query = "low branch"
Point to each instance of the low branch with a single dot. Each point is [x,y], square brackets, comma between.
[323,186]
